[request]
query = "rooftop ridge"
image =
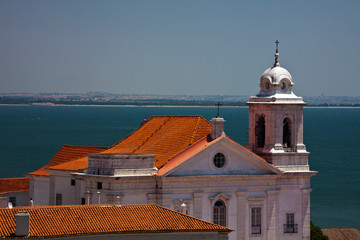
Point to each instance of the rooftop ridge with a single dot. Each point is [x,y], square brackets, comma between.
[154,116]
[147,139]
[194,131]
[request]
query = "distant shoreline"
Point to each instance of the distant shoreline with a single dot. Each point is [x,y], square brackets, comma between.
[129,105]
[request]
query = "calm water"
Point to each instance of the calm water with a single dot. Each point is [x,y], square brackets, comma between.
[31,135]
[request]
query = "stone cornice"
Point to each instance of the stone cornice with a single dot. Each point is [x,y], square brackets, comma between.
[214,177]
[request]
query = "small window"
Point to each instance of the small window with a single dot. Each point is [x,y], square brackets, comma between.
[83,202]
[72,182]
[290,226]
[220,213]
[256,220]
[58,199]
[99,185]
[13,201]
[219,160]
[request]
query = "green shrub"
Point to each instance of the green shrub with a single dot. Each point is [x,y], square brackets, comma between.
[316,233]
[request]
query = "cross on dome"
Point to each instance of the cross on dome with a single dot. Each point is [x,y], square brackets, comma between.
[277,64]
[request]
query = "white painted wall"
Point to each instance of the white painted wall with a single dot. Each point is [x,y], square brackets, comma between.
[22,198]
[39,190]
[62,185]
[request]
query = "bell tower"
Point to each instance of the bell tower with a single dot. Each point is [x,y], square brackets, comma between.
[276,121]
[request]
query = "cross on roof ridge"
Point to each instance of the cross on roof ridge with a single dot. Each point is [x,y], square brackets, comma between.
[218,104]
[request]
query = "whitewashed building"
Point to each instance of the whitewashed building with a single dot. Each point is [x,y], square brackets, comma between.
[185,163]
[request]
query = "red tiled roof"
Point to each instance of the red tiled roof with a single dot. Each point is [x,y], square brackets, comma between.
[50,221]
[164,136]
[14,185]
[67,153]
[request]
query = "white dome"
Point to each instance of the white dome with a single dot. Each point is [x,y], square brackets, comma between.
[276,74]
[275,80]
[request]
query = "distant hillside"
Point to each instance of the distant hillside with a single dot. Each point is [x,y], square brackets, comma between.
[99,98]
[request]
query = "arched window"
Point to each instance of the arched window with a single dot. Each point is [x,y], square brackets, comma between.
[220,213]
[286,133]
[260,132]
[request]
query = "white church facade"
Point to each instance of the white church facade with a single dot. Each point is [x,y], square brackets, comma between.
[188,164]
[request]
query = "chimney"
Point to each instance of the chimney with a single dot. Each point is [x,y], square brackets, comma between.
[22,224]
[217,129]
[98,193]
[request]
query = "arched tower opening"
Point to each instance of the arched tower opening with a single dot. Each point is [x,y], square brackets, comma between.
[287,133]
[260,132]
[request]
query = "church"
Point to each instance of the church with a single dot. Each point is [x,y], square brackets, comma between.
[189,164]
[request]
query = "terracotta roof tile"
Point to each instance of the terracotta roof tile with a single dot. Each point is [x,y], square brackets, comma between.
[67,153]
[49,221]
[14,185]
[164,136]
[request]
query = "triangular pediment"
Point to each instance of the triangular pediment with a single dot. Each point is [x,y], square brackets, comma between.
[199,160]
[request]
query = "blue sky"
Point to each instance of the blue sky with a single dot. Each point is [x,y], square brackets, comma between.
[190,47]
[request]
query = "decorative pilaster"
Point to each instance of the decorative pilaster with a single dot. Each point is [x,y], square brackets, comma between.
[52,190]
[198,204]
[272,214]
[242,215]
[78,183]
[306,213]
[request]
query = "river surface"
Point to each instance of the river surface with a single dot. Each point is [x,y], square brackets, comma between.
[31,135]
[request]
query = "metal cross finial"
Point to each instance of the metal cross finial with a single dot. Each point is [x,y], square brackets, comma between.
[218,104]
[277,64]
